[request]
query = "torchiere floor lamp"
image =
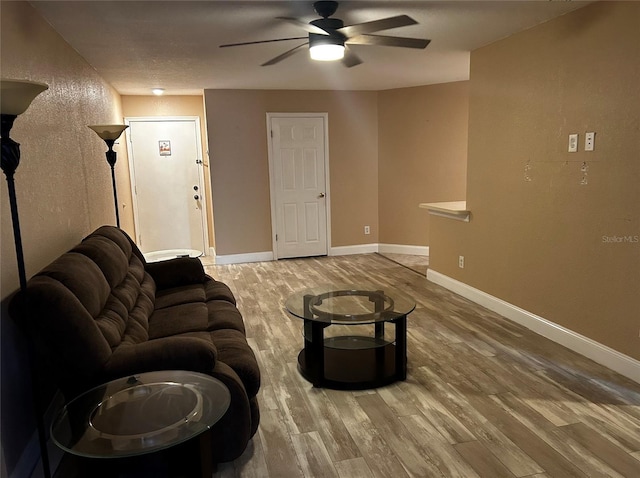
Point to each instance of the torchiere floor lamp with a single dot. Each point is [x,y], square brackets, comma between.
[109,133]
[15,98]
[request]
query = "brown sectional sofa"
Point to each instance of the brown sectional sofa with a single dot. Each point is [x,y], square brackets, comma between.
[100,312]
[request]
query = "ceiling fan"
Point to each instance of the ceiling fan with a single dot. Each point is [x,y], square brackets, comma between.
[328,38]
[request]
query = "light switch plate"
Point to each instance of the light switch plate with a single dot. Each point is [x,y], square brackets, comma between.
[573,143]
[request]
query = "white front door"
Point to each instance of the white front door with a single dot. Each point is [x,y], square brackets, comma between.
[299,171]
[165,157]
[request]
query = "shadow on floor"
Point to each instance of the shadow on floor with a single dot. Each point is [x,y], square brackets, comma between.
[418,264]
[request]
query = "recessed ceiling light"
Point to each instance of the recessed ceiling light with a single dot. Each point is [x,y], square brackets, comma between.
[158,91]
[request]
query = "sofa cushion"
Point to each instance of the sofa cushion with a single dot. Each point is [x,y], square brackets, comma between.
[180,295]
[178,319]
[224,315]
[61,324]
[113,261]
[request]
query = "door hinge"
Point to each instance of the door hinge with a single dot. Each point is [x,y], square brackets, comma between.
[276,237]
[272,133]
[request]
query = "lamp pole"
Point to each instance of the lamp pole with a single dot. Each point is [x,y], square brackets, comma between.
[10,162]
[109,133]
[111,159]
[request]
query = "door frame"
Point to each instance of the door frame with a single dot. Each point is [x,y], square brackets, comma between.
[272,179]
[199,159]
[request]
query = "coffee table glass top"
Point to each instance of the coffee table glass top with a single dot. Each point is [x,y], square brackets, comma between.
[349,304]
[140,414]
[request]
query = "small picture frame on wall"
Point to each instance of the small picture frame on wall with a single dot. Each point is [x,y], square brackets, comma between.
[164,146]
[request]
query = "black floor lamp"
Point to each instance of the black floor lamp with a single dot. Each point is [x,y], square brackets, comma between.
[109,133]
[15,98]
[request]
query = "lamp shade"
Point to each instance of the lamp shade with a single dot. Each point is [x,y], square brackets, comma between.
[109,131]
[17,95]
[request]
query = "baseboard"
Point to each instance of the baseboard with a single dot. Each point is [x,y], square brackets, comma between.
[242,258]
[333,251]
[623,364]
[212,252]
[402,249]
[357,249]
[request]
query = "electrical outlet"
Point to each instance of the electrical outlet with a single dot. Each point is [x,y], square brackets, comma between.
[461,262]
[367,230]
[589,141]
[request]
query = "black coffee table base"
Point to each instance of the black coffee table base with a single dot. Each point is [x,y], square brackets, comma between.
[355,368]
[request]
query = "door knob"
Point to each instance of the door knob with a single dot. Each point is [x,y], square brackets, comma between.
[321,196]
[195,188]
[196,197]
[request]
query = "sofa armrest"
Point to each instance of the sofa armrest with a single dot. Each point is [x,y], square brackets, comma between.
[176,272]
[168,353]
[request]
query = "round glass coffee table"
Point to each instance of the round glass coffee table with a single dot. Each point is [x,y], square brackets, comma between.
[355,355]
[141,414]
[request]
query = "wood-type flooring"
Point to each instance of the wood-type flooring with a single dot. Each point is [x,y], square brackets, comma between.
[484,397]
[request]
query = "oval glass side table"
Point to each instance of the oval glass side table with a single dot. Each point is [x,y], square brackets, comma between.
[141,414]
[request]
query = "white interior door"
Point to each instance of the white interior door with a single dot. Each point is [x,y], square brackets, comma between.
[299,172]
[165,156]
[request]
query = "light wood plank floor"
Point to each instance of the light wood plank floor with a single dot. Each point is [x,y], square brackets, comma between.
[483,398]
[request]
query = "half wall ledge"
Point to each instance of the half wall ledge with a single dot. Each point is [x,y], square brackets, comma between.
[452,209]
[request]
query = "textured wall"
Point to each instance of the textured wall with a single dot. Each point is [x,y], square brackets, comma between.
[63,182]
[549,245]
[423,156]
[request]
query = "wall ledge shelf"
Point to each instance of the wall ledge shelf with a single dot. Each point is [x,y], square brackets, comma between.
[452,209]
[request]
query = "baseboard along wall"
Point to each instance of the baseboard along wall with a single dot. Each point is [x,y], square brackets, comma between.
[333,251]
[616,361]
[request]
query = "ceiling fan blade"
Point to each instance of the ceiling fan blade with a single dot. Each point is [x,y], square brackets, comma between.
[284,55]
[350,58]
[377,25]
[263,41]
[306,26]
[388,41]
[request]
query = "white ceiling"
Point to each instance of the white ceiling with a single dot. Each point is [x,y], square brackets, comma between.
[139,45]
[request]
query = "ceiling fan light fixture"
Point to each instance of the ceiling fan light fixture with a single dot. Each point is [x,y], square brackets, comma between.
[327,52]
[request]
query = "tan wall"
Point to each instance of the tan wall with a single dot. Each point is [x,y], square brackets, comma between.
[63,182]
[423,156]
[543,244]
[236,121]
[143,106]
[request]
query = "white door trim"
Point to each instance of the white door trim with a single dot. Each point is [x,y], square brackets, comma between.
[132,174]
[272,181]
